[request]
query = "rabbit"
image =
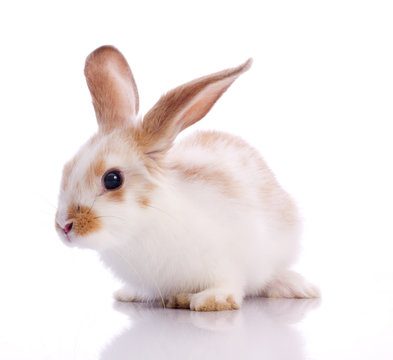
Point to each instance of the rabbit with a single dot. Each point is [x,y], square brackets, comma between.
[198,224]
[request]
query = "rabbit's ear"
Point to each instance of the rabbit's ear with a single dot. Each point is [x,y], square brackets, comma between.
[112,87]
[182,107]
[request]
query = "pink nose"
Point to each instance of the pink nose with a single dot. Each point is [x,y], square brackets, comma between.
[67,228]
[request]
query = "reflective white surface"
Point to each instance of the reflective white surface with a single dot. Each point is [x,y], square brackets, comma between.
[262,329]
[76,318]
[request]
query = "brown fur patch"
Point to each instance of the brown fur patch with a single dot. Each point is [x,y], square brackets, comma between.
[207,174]
[180,301]
[211,139]
[58,227]
[211,304]
[135,184]
[117,194]
[142,189]
[145,194]
[271,192]
[84,219]
[96,170]
[98,167]
[144,201]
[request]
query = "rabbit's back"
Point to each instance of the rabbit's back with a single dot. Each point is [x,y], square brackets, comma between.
[232,167]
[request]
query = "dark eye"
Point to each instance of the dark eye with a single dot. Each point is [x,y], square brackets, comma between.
[112,180]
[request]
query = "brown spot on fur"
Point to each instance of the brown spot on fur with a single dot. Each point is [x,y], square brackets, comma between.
[98,167]
[144,201]
[84,219]
[145,194]
[212,139]
[207,174]
[117,194]
[211,304]
[96,170]
[135,184]
[180,301]
[271,193]
[208,139]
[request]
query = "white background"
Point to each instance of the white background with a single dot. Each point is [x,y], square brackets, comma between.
[317,103]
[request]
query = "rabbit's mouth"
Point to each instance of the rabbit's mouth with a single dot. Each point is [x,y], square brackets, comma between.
[67,237]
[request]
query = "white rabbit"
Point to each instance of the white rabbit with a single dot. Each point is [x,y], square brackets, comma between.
[199,224]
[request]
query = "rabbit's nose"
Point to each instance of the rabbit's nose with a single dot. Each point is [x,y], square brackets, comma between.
[67,228]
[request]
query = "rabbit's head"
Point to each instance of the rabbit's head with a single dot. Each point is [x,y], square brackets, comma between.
[109,186]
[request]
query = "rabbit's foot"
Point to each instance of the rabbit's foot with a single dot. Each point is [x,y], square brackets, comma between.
[215,300]
[125,294]
[180,301]
[290,284]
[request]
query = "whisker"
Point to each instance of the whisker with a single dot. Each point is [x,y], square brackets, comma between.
[109,216]
[49,202]
[53,214]
[91,207]
[162,211]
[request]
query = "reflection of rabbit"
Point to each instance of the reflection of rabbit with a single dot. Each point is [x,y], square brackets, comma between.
[200,224]
[261,330]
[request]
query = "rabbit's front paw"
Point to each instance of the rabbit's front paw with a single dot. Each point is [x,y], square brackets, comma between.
[215,300]
[179,301]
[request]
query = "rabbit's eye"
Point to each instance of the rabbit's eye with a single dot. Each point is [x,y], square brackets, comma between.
[112,180]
